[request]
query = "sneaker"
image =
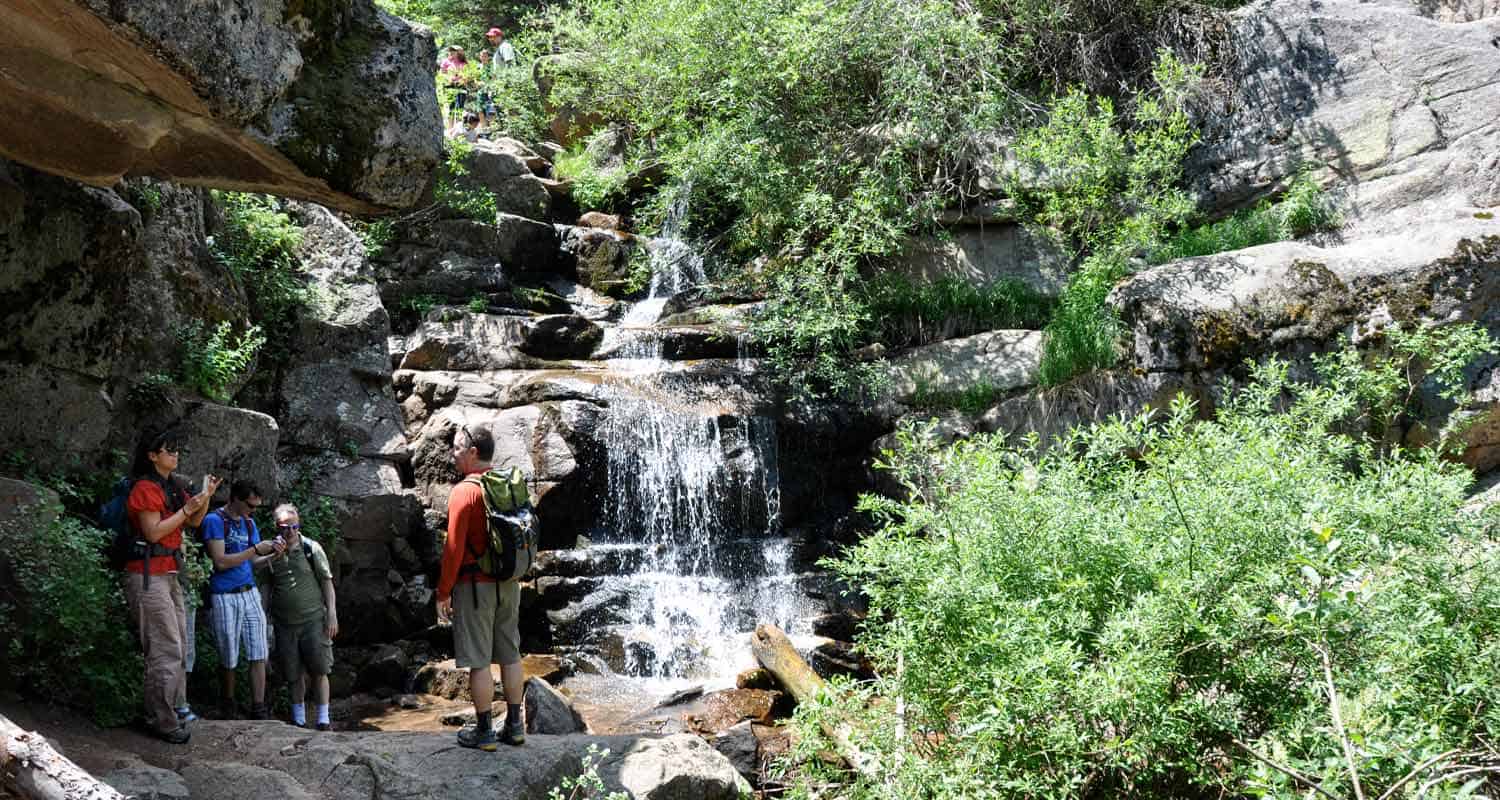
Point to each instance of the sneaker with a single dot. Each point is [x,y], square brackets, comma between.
[260,711]
[472,736]
[323,726]
[185,714]
[514,733]
[178,735]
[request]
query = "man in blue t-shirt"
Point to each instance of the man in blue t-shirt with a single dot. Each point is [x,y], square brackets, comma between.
[235,613]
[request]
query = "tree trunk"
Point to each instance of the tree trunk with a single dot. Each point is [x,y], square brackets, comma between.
[775,652]
[30,768]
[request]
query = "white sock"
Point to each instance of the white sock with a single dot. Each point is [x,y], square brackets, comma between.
[299,716]
[323,713]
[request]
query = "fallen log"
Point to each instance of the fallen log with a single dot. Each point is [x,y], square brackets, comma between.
[31,768]
[774,651]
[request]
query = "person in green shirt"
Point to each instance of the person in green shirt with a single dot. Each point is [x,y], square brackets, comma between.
[304,612]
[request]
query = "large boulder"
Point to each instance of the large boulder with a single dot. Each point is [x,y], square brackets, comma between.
[458,340]
[1392,100]
[550,711]
[329,102]
[232,443]
[147,783]
[997,362]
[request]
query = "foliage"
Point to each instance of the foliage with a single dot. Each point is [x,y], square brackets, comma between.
[809,323]
[594,187]
[375,234]
[586,785]
[258,243]
[478,304]
[1107,192]
[519,110]
[214,360]
[152,391]
[1168,607]
[420,304]
[144,195]
[1302,210]
[450,192]
[63,619]
[903,312]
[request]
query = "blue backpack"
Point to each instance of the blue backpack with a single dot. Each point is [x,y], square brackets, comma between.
[124,545]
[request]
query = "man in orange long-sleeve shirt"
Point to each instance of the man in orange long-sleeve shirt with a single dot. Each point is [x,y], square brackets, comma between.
[485,614]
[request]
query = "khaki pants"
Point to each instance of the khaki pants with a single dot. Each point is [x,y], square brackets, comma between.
[158,615]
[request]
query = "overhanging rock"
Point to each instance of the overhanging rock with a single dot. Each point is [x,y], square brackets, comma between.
[327,101]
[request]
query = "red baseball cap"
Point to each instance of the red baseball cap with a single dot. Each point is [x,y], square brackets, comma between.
[495,32]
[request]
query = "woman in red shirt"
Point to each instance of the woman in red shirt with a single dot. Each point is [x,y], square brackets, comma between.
[158,510]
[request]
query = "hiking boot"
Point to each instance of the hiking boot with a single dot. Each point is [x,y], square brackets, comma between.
[185,715]
[473,736]
[323,726]
[514,733]
[178,735]
[260,711]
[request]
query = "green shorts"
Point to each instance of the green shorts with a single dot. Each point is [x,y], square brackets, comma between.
[487,631]
[304,648]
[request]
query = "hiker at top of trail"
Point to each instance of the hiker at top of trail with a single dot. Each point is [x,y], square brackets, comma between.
[304,609]
[157,509]
[505,55]
[235,616]
[485,612]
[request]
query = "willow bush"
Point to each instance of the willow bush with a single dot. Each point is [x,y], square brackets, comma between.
[1169,607]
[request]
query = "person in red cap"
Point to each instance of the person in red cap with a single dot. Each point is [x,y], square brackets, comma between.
[505,55]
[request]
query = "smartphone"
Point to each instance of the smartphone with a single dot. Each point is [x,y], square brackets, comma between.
[206,479]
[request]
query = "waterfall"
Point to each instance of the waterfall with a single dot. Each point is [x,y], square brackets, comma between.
[692,482]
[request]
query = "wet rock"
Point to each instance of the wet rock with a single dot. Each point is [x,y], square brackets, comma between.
[739,744]
[840,658]
[601,259]
[549,711]
[445,679]
[527,245]
[147,783]
[680,696]
[333,104]
[841,627]
[386,668]
[756,678]
[725,708]
[466,341]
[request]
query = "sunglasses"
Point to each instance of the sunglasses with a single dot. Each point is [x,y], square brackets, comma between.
[295,526]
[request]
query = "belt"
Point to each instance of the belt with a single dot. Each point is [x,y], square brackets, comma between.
[236,590]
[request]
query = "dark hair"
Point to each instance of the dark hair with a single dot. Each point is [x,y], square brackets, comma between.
[471,117]
[481,440]
[150,442]
[243,490]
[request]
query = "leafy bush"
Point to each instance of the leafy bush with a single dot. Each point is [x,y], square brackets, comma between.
[213,360]
[1167,607]
[63,620]
[375,234]
[586,785]
[593,187]
[258,243]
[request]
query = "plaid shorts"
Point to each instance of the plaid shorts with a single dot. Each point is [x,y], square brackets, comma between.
[238,621]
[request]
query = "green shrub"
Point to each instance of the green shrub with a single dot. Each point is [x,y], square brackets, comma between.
[375,234]
[63,620]
[593,187]
[1164,607]
[478,304]
[214,360]
[258,243]
[974,399]
[586,785]
[1303,209]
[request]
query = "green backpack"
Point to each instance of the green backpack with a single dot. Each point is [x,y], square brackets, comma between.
[511,524]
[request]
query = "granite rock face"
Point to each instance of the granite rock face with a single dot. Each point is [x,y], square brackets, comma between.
[331,102]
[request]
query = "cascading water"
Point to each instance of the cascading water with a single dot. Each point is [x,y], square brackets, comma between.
[692,483]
